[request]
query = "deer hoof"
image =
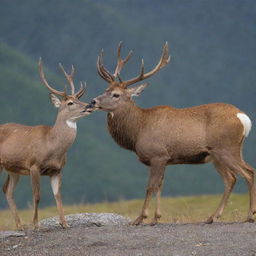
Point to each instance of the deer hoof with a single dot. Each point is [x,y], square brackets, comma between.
[153,222]
[36,227]
[20,227]
[64,225]
[209,220]
[138,221]
[250,220]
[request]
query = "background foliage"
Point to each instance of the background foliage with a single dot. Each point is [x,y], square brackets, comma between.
[213,48]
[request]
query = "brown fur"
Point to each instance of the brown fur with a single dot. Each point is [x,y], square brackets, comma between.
[164,135]
[194,135]
[40,150]
[124,127]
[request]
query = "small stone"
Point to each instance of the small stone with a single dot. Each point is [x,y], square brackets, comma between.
[86,219]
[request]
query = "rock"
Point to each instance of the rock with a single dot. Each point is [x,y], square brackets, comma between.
[6,234]
[86,219]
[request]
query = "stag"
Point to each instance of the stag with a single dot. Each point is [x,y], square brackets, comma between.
[41,150]
[164,135]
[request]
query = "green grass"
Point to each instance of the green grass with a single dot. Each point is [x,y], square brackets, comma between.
[179,209]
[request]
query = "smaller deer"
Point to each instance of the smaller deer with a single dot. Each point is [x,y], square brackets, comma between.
[164,135]
[41,150]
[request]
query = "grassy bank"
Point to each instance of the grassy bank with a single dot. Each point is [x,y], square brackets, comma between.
[178,209]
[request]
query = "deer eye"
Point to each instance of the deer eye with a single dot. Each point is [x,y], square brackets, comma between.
[115,95]
[70,103]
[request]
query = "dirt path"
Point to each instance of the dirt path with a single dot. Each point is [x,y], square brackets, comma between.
[220,239]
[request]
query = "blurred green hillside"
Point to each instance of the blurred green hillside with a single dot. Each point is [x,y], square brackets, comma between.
[213,48]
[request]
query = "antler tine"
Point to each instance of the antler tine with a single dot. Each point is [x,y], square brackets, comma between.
[142,68]
[42,77]
[81,91]
[100,71]
[120,61]
[119,50]
[69,77]
[164,60]
[103,72]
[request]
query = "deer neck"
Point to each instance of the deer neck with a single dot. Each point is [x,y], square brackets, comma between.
[63,133]
[124,125]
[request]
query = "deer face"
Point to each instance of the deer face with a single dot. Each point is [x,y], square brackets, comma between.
[115,97]
[118,93]
[71,108]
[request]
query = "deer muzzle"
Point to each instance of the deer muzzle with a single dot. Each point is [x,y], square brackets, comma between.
[92,105]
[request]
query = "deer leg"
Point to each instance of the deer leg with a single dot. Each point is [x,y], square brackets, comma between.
[158,214]
[248,173]
[56,184]
[239,166]
[229,181]
[156,174]
[234,162]
[35,182]
[8,189]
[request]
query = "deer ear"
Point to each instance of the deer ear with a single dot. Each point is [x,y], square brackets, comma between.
[55,100]
[135,91]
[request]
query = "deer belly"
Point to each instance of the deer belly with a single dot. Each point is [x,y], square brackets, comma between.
[17,170]
[24,172]
[199,158]
[49,171]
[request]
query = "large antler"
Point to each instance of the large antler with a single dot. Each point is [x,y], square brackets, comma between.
[164,60]
[42,76]
[106,75]
[120,61]
[69,77]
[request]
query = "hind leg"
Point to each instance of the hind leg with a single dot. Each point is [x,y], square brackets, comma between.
[229,181]
[248,174]
[8,189]
[234,161]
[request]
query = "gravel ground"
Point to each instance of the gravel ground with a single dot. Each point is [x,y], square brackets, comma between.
[163,239]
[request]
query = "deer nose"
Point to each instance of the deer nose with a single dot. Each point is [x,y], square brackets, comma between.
[91,105]
[93,102]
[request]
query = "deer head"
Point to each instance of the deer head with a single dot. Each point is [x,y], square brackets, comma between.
[118,93]
[70,107]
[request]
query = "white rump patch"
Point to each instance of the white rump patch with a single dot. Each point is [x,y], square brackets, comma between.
[71,124]
[55,184]
[246,122]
